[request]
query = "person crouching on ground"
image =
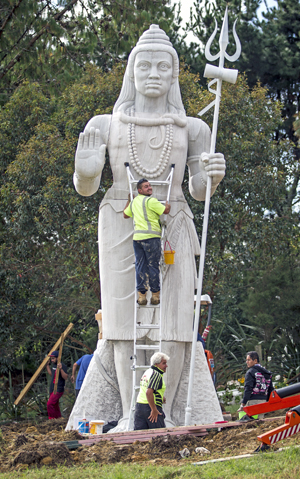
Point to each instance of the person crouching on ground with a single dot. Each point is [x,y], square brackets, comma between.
[53,401]
[258,384]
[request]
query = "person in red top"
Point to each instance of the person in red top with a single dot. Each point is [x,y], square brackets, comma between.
[53,401]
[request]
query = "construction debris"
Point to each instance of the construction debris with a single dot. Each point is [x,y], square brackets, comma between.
[202,450]
[29,445]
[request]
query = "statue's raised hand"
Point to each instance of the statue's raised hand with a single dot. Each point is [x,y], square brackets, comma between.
[90,155]
[214,166]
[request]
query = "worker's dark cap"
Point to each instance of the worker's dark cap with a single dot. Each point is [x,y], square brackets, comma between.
[54,354]
[140,182]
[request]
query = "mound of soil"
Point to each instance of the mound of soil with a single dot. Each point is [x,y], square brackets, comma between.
[41,454]
[34,445]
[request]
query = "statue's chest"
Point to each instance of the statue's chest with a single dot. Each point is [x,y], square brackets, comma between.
[150,150]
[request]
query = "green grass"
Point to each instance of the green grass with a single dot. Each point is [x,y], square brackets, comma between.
[281,465]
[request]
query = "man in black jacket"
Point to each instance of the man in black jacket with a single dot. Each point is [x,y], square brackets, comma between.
[258,384]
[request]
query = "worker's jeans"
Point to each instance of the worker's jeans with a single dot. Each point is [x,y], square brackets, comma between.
[147,256]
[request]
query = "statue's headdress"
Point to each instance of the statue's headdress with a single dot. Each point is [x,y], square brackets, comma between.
[153,40]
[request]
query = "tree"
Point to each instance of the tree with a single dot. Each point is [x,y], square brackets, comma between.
[272,306]
[52,41]
[270,55]
[250,228]
[202,24]
[49,266]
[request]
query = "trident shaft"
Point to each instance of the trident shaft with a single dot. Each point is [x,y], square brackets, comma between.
[218,74]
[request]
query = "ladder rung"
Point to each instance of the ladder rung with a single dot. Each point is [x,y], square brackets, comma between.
[156,182]
[136,388]
[148,306]
[140,367]
[147,326]
[146,346]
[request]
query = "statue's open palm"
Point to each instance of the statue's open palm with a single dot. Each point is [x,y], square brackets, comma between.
[90,154]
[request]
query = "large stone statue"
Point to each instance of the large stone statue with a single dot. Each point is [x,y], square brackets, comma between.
[150,130]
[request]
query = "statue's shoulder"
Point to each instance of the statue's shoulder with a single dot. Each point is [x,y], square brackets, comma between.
[101,122]
[197,128]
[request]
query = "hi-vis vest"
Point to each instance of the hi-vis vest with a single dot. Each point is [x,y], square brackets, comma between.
[153,379]
[145,211]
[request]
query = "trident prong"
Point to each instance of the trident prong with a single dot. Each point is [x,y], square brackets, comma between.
[218,74]
[223,42]
[208,55]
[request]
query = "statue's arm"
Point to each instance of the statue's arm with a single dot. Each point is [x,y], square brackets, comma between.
[90,155]
[200,162]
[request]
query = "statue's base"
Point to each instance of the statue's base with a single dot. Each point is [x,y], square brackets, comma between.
[100,398]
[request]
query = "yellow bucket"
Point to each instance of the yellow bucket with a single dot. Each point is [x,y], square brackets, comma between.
[169,256]
[96,427]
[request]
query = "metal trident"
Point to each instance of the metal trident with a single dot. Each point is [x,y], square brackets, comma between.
[218,74]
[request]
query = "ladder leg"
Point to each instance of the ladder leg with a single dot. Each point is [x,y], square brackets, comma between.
[135,367]
[134,357]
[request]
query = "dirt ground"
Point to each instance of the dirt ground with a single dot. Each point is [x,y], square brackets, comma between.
[24,445]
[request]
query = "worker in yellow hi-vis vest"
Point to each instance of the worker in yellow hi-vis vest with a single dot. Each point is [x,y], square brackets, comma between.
[145,211]
[148,412]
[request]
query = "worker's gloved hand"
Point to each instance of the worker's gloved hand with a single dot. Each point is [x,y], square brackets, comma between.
[241,408]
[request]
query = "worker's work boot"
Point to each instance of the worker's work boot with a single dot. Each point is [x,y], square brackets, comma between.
[155,298]
[142,299]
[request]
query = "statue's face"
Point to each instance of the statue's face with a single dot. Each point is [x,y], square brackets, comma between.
[153,73]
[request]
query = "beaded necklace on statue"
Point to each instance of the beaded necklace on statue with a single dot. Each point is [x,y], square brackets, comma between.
[166,142]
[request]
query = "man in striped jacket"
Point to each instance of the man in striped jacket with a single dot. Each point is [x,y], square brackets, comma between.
[148,409]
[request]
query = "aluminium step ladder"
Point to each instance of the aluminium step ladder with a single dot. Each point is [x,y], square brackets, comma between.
[142,326]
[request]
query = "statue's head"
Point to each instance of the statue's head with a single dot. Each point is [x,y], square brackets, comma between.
[153,40]
[153,50]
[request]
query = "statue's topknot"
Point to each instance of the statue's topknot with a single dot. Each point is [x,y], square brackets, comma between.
[154,35]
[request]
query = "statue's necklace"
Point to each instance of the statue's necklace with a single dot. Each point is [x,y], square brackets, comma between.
[166,142]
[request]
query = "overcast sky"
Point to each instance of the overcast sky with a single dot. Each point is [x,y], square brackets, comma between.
[187,4]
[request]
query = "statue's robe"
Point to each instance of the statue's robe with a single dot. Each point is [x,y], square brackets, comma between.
[116,256]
